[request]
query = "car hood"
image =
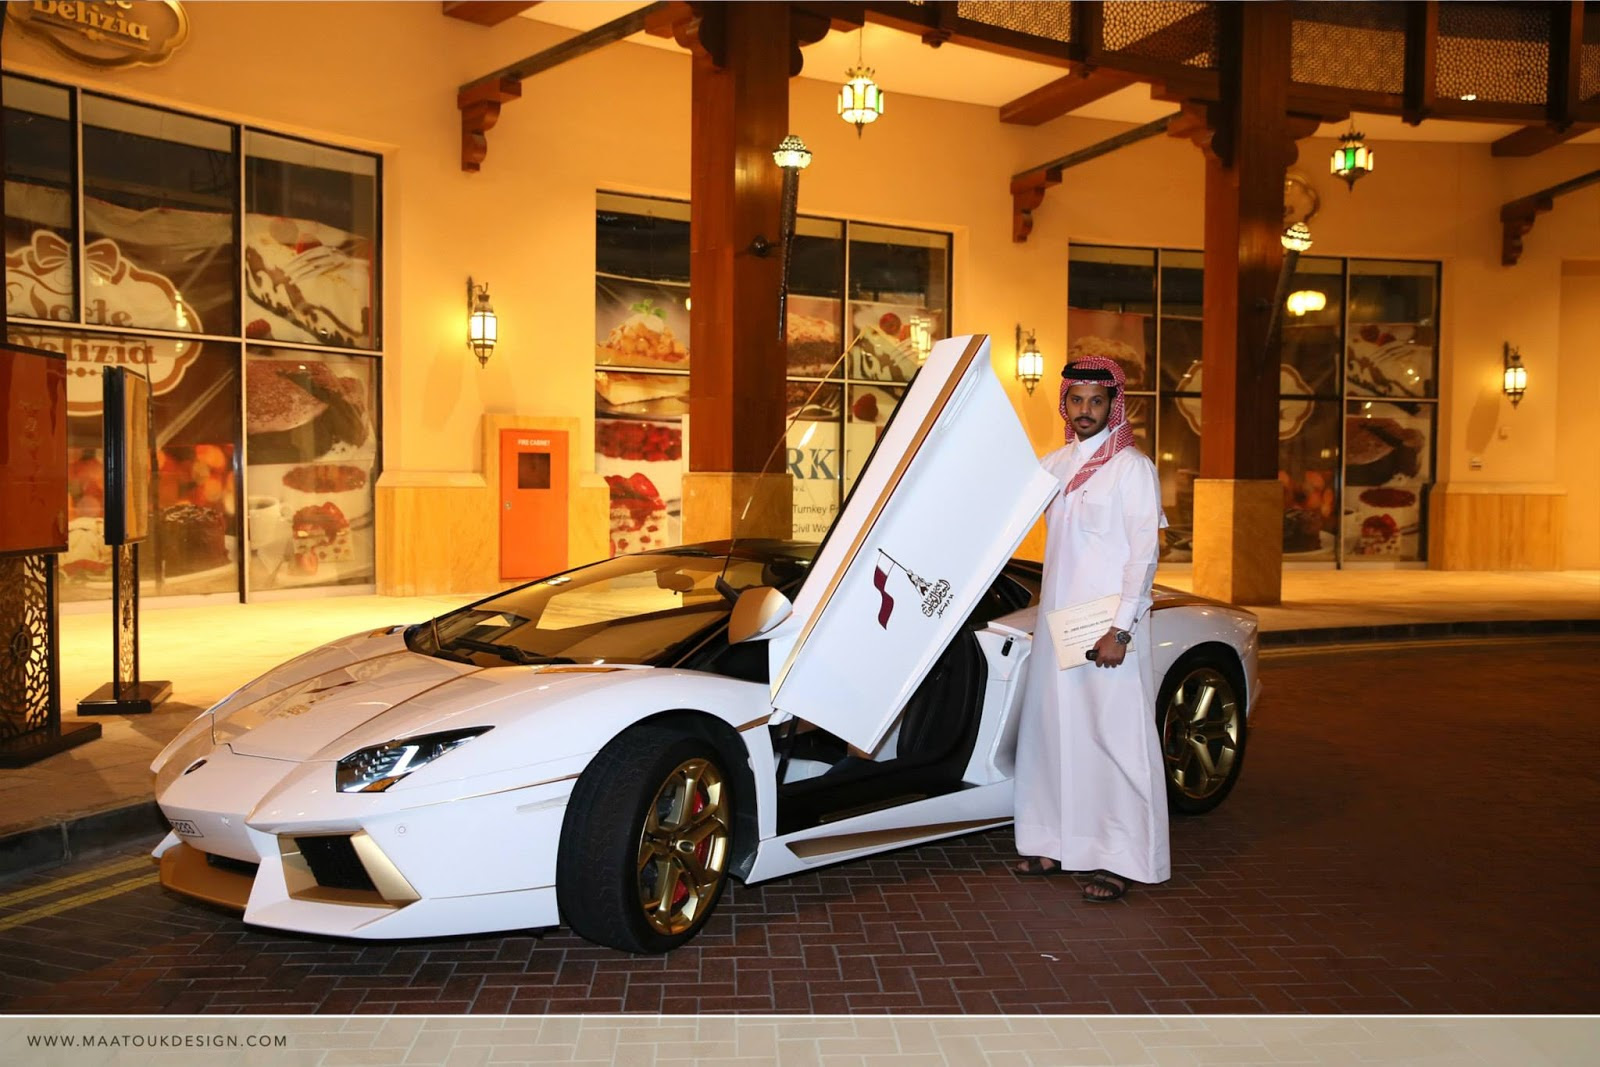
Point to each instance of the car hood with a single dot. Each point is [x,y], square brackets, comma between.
[305,714]
[951,489]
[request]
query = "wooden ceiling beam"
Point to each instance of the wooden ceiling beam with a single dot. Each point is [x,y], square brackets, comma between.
[1065,94]
[1517,216]
[485,12]
[1531,140]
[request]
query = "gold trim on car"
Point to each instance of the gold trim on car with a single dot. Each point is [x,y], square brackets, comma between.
[814,847]
[185,869]
[392,889]
[937,409]
[1181,602]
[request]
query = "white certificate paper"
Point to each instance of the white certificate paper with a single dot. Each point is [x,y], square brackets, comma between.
[1077,627]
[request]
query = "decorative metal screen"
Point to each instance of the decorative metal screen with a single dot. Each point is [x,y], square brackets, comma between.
[1493,51]
[1589,58]
[1051,19]
[1350,46]
[25,625]
[1181,32]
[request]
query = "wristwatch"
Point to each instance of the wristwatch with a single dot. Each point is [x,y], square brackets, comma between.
[1124,637]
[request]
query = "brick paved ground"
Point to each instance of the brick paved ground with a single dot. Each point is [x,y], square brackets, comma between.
[1414,833]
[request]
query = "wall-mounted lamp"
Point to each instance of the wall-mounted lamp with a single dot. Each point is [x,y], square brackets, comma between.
[792,156]
[921,334]
[1514,380]
[1030,361]
[1303,300]
[483,327]
[1352,160]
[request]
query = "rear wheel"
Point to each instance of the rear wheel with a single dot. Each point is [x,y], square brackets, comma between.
[1201,717]
[645,848]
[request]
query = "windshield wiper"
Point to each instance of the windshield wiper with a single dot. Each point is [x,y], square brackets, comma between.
[509,652]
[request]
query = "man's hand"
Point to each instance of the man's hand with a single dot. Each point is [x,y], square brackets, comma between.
[1108,652]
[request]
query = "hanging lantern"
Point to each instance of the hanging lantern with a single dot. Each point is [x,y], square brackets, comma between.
[860,101]
[1352,160]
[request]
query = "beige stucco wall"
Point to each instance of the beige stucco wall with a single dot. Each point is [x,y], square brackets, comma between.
[619,119]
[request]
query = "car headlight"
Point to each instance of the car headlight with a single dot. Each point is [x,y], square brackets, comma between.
[372,770]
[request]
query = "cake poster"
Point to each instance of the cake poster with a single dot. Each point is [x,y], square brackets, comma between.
[814,343]
[641,324]
[639,451]
[312,453]
[1388,449]
[881,348]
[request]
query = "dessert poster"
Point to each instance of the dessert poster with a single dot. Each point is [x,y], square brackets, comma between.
[881,348]
[869,411]
[1390,359]
[1388,449]
[639,451]
[312,456]
[815,344]
[641,324]
[1125,337]
[308,282]
[1308,473]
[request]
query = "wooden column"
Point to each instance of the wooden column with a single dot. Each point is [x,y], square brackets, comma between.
[1238,545]
[740,109]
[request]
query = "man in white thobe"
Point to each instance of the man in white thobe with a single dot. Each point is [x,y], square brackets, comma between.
[1090,784]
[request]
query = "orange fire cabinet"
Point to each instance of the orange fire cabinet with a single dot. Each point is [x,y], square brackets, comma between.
[533,503]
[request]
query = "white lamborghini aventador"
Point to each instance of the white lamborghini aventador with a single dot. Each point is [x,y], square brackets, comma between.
[606,747]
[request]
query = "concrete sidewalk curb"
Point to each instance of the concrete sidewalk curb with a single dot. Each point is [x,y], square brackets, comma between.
[1426,631]
[57,843]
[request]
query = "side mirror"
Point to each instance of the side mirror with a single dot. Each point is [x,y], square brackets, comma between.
[756,612]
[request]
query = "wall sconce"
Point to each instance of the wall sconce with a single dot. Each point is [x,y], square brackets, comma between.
[1352,160]
[1296,238]
[1030,362]
[1514,380]
[792,156]
[483,327]
[1303,300]
[921,334]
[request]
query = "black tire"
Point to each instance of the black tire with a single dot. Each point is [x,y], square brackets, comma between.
[628,835]
[1200,720]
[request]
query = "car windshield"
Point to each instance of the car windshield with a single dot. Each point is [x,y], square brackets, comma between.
[636,609]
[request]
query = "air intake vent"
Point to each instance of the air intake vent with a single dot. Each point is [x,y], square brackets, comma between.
[334,863]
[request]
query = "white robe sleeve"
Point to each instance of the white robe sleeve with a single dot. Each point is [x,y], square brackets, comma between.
[1141,521]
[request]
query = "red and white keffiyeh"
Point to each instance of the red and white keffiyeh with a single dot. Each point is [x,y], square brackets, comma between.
[1121,432]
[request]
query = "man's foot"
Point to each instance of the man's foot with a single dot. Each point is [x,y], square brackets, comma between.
[1036,866]
[1103,887]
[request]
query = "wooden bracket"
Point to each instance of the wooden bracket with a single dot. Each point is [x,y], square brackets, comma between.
[480,110]
[1517,216]
[1027,193]
[1516,219]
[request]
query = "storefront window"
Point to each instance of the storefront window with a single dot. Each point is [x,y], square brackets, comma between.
[311,231]
[41,236]
[160,196]
[854,292]
[161,263]
[312,449]
[1354,471]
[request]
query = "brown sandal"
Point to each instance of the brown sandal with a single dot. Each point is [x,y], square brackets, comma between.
[1114,887]
[1034,867]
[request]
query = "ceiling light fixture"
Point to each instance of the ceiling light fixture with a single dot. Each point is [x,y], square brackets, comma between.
[860,101]
[1352,160]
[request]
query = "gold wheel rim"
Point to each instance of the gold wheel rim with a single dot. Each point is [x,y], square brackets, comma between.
[683,847]
[1200,736]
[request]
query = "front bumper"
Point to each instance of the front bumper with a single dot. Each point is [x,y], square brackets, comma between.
[274,839]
